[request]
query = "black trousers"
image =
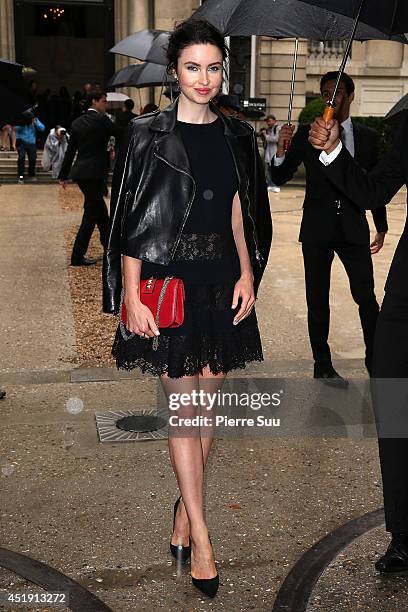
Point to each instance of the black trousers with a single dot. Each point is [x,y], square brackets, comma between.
[391,362]
[95,213]
[357,262]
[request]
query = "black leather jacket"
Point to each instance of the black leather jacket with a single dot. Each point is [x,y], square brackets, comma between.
[153,190]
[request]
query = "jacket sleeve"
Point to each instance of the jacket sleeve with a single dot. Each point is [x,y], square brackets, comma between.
[112,261]
[293,158]
[68,158]
[369,190]
[263,217]
[379,214]
[38,125]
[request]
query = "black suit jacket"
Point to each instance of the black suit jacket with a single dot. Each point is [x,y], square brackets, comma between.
[374,189]
[89,136]
[321,205]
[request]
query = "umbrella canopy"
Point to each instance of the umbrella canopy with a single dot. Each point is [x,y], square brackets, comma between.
[141,75]
[113,96]
[400,107]
[389,16]
[12,92]
[285,19]
[146,45]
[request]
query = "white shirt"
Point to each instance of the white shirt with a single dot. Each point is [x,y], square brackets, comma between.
[347,139]
[347,135]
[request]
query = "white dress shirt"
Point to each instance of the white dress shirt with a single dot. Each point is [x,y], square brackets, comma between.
[347,139]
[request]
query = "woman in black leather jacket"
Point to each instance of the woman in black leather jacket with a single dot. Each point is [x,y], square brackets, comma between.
[189,200]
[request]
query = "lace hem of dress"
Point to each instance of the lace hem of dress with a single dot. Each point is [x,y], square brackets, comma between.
[196,247]
[186,355]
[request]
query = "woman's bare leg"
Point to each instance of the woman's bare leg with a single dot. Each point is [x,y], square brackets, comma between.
[187,460]
[189,454]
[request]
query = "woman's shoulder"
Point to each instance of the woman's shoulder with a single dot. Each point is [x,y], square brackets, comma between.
[240,125]
[144,120]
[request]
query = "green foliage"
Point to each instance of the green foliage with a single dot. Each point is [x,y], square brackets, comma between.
[313,109]
[379,125]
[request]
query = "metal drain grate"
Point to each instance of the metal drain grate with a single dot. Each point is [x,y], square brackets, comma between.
[132,425]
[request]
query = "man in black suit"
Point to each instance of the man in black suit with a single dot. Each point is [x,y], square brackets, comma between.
[90,134]
[332,224]
[390,364]
[127,114]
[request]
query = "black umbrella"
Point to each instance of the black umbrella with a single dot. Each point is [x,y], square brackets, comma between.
[141,75]
[146,45]
[284,19]
[287,19]
[12,92]
[400,107]
[389,16]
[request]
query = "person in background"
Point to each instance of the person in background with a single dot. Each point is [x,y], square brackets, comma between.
[270,137]
[26,143]
[64,108]
[76,105]
[83,102]
[127,114]
[33,92]
[8,134]
[229,105]
[90,134]
[54,150]
[149,108]
[332,224]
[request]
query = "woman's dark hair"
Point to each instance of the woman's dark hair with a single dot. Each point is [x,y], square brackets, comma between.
[193,31]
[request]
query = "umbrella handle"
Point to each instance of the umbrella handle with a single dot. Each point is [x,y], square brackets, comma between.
[328,114]
[287,141]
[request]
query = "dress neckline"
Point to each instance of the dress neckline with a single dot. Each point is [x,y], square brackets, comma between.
[198,124]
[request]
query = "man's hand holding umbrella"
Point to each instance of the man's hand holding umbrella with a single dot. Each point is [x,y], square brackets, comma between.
[324,136]
[285,137]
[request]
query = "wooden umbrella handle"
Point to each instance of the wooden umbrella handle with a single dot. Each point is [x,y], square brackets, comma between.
[328,114]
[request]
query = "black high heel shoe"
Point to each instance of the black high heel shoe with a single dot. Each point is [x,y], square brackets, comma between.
[208,586]
[180,552]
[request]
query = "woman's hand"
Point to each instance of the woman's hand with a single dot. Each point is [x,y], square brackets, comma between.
[139,319]
[244,289]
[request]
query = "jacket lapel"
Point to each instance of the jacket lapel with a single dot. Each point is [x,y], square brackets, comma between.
[357,140]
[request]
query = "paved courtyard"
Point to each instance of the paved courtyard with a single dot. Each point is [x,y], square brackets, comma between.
[101,514]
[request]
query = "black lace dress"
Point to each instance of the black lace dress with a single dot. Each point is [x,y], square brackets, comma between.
[207,261]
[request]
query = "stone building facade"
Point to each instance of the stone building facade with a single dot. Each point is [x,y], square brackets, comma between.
[380,69]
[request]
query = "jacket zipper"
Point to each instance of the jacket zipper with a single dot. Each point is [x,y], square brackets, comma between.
[125,207]
[258,253]
[189,204]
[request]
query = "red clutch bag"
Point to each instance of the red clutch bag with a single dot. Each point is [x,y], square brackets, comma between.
[165,299]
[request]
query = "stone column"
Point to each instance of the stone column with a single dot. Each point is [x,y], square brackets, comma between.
[131,16]
[275,60]
[7,44]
